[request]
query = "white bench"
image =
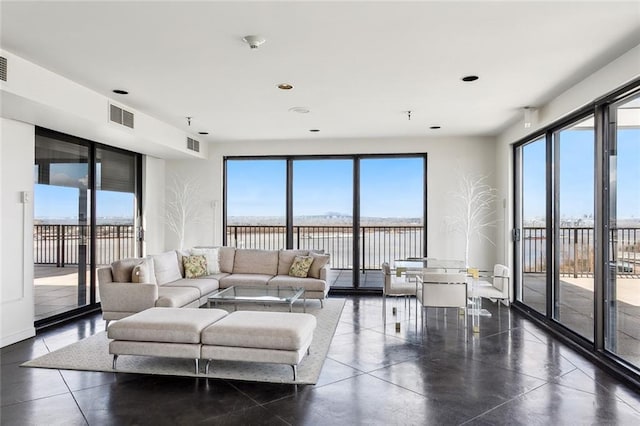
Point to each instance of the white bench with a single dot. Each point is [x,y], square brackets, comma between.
[257,336]
[213,334]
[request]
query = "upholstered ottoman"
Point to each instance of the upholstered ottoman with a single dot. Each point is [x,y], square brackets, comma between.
[256,336]
[166,332]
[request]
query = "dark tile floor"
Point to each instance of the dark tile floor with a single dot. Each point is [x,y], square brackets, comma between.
[512,372]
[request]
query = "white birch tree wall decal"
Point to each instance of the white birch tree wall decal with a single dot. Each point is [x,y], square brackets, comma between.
[184,205]
[474,209]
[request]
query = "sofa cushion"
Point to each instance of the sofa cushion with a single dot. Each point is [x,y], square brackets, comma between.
[204,285]
[181,254]
[300,266]
[166,267]
[256,262]
[245,280]
[226,256]
[311,284]
[217,276]
[285,259]
[213,261]
[176,297]
[319,261]
[194,266]
[122,269]
[165,325]
[144,272]
[263,330]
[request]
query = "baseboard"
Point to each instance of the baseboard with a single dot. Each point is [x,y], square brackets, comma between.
[17,337]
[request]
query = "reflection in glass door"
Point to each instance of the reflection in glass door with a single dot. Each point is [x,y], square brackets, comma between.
[323,212]
[574,151]
[622,295]
[532,249]
[61,229]
[117,209]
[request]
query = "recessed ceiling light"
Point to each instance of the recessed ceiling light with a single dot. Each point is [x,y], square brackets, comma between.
[203,133]
[469,78]
[314,130]
[254,41]
[299,110]
[120,92]
[285,86]
[434,127]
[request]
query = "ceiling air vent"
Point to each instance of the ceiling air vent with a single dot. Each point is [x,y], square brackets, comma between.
[120,116]
[193,145]
[3,68]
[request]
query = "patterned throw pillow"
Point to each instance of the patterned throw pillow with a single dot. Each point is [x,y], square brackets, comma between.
[300,266]
[194,266]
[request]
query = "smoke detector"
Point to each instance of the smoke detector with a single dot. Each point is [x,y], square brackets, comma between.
[254,41]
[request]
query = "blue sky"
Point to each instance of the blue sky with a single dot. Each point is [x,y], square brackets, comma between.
[577,174]
[390,187]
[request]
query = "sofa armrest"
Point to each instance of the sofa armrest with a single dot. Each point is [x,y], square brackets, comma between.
[127,297]
[324,271]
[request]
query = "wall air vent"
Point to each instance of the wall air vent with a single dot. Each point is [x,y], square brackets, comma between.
[3,68]
[193,145]
[120,116]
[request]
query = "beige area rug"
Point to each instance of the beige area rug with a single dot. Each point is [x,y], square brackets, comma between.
[92,354]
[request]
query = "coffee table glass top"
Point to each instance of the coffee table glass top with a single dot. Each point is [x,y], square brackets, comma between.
[258,294]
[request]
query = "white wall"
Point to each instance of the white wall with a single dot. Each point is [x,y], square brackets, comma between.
[446,158]
[17,147]
[153,204]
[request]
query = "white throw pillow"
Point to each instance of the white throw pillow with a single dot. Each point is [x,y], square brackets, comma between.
[212,256]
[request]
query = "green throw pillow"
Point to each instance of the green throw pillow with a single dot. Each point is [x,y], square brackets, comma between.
[300,266]
[194,266]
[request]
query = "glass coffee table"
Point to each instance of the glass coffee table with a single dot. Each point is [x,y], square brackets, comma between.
[263,294]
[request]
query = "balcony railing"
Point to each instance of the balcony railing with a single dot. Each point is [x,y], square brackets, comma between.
[576,251]
[378,244]
[61,245]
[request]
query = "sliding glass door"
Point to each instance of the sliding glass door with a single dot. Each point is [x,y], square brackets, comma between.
[323,212]
[256,203]
[574,148]
[61,226]
[361,209]
[532,246]
[392,203]
[577,217]
[622,294]
[86,215]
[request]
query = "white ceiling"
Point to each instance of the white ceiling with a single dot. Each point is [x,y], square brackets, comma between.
[356,65]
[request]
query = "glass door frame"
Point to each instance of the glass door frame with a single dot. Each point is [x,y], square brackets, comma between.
[596,349]
[92,146]
[356,202]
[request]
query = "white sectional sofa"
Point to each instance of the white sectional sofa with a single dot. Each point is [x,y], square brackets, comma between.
[132,285]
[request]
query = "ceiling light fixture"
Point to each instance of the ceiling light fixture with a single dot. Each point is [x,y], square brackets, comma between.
[120,92]
[470,78]
[408,115]
[254,41]
[434,127]
[530,115]
[314,130]
[189,121]
[203,133]
[285,86]
[299,110]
